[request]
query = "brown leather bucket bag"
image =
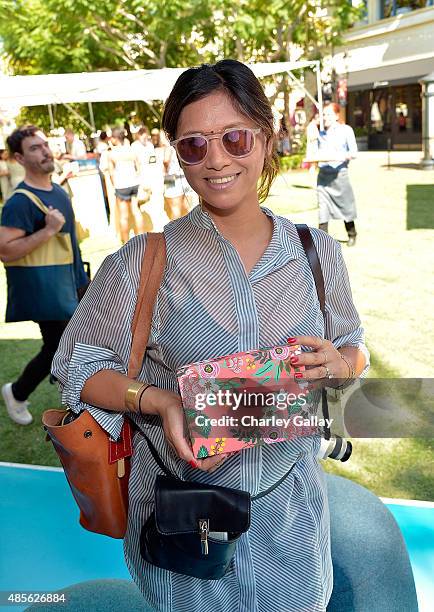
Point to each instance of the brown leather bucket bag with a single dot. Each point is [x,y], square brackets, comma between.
[97,467]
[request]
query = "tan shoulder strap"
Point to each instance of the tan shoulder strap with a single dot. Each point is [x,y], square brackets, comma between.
[153,264]
[34,198]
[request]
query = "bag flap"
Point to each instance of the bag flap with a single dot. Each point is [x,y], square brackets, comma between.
[179,505]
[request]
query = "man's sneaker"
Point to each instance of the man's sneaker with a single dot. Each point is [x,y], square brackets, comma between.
[16,410]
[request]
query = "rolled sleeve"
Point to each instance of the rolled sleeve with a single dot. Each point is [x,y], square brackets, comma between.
[85,362]
[343,321]
[98,337]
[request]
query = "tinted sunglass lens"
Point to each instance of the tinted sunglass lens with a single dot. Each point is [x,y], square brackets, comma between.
[238,142]
[192,150]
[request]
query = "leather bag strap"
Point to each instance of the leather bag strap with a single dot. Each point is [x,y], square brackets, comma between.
[158,460]
[153,265]
[315,266]
[314,263]
[167,472]
[275,485]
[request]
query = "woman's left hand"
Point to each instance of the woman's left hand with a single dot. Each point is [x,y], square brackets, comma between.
[323,362]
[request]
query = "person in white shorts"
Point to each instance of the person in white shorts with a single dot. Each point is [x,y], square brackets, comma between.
[124,169]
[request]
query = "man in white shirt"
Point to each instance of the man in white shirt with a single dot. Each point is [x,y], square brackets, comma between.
[75,148]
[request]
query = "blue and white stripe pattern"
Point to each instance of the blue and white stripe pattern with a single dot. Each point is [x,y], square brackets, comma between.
[208,306]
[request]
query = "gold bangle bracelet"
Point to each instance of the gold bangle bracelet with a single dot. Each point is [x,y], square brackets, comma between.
[350,366]
[132,394]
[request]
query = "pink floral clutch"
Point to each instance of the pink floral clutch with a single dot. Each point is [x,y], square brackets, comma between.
[242,400]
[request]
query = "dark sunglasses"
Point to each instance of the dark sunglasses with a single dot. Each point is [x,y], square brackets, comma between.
[237,142]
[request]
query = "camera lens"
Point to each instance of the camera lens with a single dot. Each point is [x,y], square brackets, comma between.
[348,451]
[335,448]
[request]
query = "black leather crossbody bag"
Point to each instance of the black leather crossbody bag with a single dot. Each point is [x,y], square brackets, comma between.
[177,537]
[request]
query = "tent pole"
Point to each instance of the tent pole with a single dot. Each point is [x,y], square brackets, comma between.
[297,82]
[74,112]
[153,111]
[92,118]
[50,113]
[319,89]
[319,104]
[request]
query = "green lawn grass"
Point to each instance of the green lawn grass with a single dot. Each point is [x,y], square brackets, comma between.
[391,279]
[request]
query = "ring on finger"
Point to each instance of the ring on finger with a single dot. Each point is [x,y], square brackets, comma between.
[328,373]
[325,356]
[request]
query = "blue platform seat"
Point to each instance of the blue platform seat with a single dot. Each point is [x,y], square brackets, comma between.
[372,571]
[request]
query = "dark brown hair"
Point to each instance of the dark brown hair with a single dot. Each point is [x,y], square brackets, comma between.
[246,93]
[15,140]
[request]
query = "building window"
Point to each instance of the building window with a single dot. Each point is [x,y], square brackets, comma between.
[362,6]
[391,8]
[389,116]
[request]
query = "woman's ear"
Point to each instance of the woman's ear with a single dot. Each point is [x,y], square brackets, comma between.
[270,145]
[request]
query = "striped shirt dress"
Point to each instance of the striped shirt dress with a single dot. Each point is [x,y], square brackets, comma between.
[208,306]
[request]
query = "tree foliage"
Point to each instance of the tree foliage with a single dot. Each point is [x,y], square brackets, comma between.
[278,30]
[49,36]
[56,36]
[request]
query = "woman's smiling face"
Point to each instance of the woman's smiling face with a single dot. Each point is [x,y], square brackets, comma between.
[214,114]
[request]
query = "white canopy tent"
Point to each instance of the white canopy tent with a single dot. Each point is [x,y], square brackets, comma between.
[119,86]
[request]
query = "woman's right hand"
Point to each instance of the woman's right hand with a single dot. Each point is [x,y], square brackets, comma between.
[168,406]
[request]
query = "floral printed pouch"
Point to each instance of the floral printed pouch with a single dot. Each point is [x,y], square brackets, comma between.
[244,399]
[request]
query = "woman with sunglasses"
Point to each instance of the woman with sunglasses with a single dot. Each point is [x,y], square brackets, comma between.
[236,278]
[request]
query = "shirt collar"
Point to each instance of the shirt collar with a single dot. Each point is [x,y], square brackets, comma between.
[284,234]
[201,218]
[283,241]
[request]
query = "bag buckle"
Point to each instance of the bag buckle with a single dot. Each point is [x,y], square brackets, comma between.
[204,531]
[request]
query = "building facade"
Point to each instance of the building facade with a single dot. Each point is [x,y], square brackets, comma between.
[382,60]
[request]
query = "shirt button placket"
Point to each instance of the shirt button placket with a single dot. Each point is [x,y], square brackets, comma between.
[250,461]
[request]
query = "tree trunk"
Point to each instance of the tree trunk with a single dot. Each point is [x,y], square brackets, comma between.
[286,109]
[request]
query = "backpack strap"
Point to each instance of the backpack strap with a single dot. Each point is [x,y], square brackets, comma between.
[34,198]
[315,266]
[153,264]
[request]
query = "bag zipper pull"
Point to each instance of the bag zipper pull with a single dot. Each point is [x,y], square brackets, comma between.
[204,531]
[121,467]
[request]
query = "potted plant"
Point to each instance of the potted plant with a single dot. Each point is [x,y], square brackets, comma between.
[361,134]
